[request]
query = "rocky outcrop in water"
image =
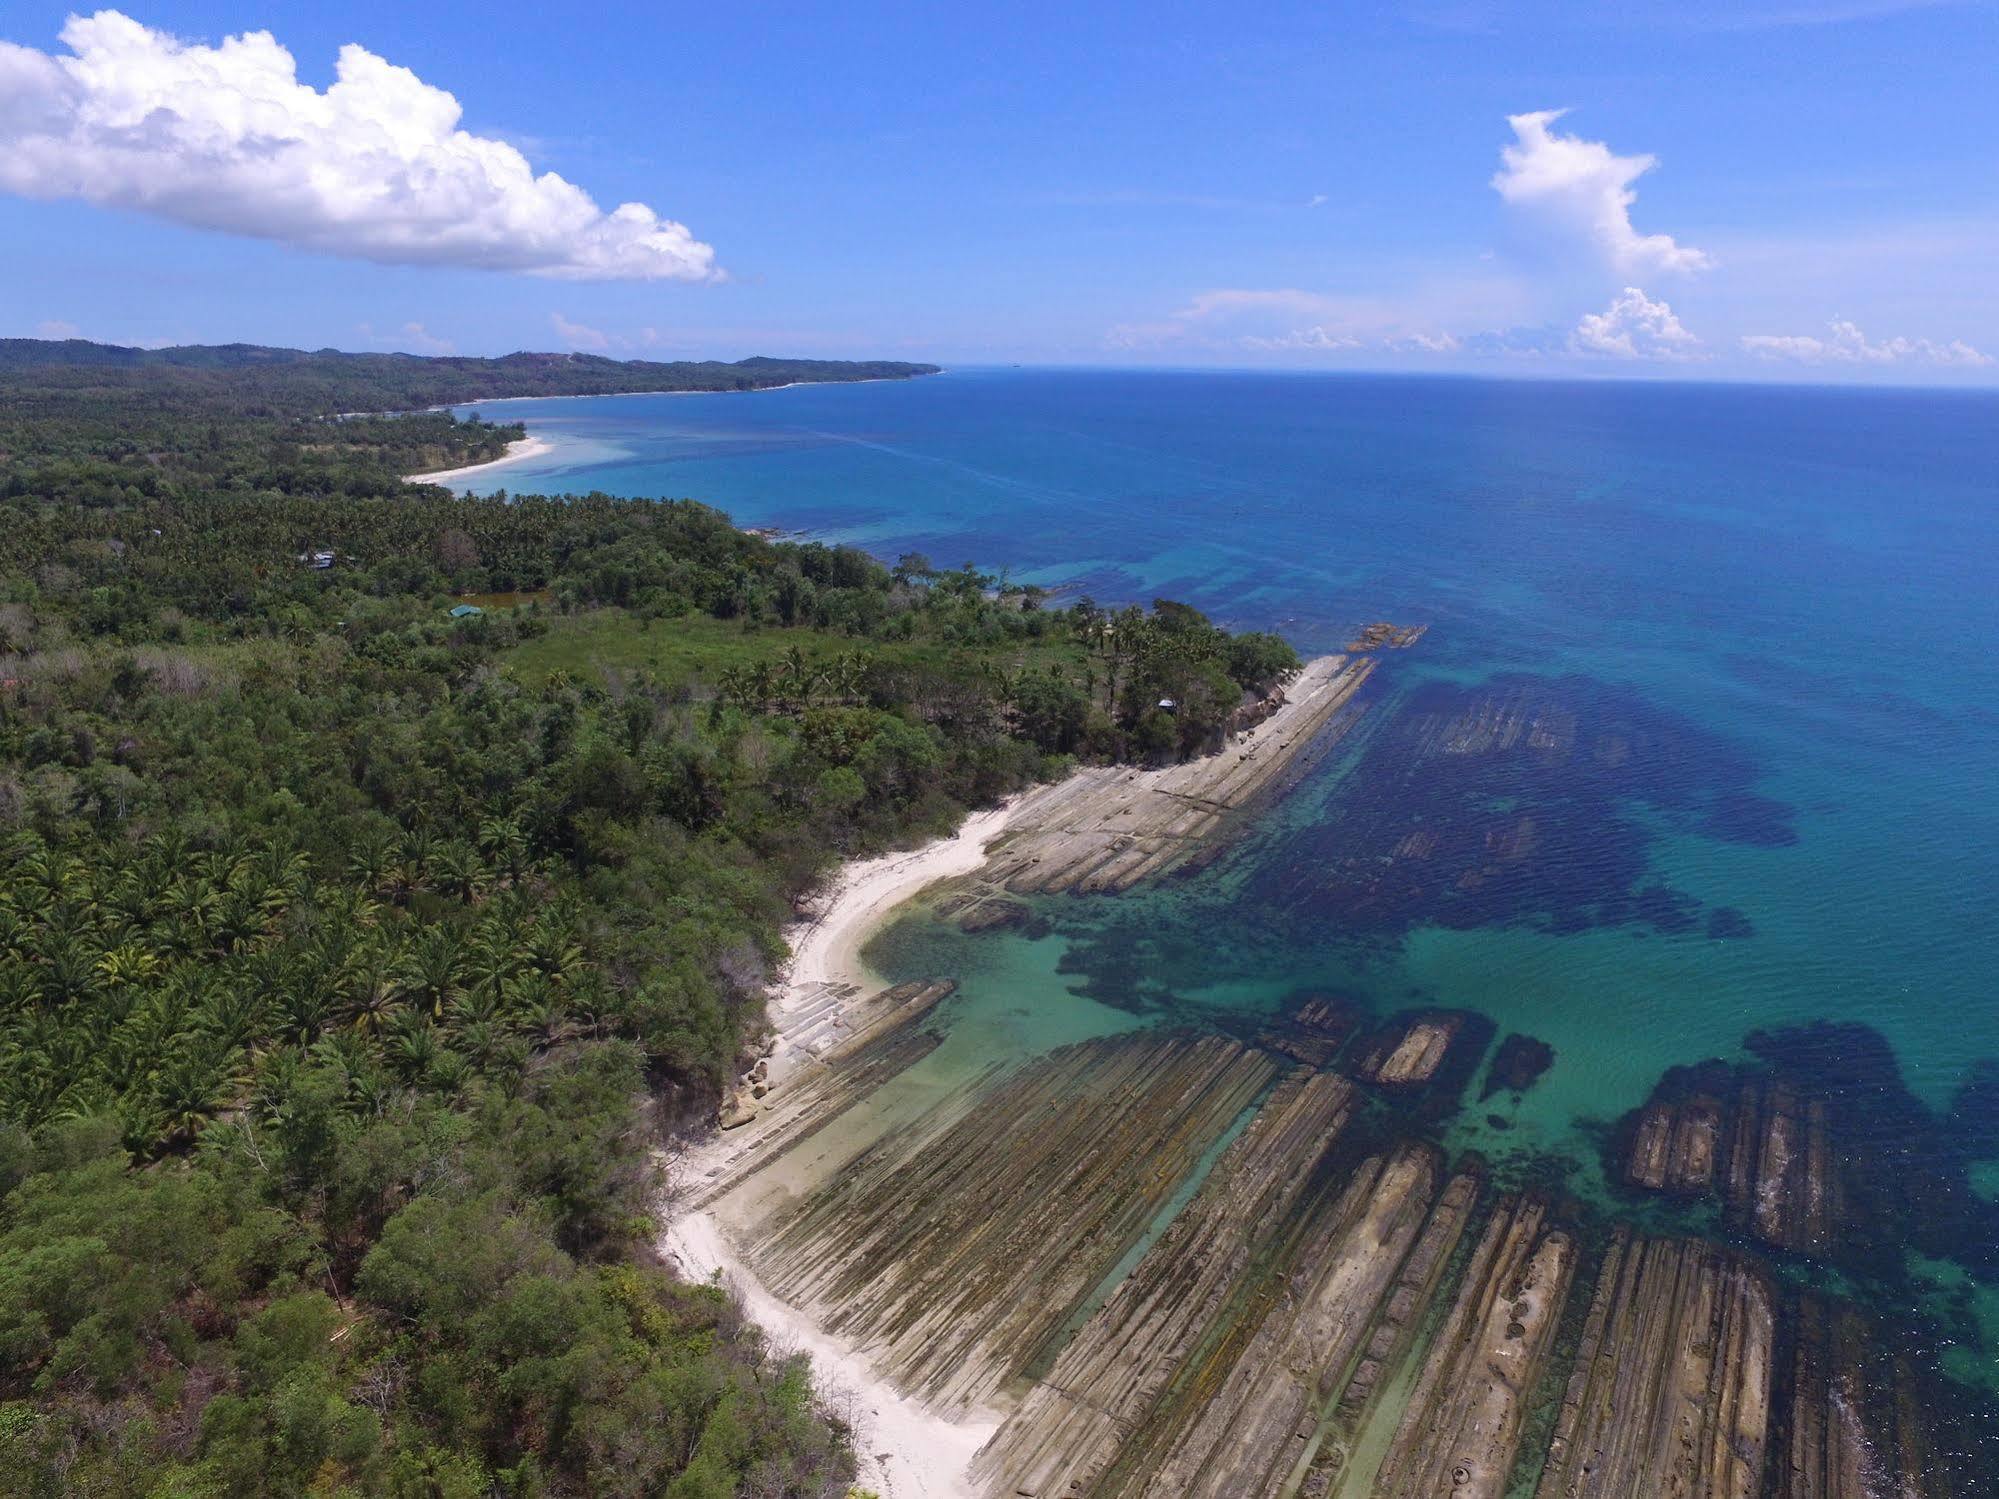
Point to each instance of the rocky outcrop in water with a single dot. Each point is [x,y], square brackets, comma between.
[1105,1387]
[1108,827]
[1517,1065]
[1313,1028]
[1856,1425]
[1670,1392]
[1332,1311]
[1381,635]
[956,1244]
[1816,1148]
[1410,1049]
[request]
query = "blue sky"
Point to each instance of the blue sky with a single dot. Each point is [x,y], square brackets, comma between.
[1301,186]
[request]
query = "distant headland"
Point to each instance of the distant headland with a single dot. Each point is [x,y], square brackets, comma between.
[302,381]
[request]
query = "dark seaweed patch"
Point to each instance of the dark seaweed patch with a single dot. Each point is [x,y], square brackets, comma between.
[1974,1113]
[1517,1066]
[1897,1174]
[1522,801]
[1725,923]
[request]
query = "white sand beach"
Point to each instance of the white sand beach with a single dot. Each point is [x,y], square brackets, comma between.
[905,1451]
[517,451]
[826,948]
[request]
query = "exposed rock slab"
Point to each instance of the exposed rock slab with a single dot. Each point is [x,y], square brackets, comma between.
[1245,1437]
[1382,635]
[859,1048]
[1670,1395]
[1350,1404]
[1817,1148]
[1411,1049]
[982,911]
[1757,1142]
[951,1249]
[1461,1428]
[1108,827]
[1110,1378]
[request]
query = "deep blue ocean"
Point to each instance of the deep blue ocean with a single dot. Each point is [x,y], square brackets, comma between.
[1759,627]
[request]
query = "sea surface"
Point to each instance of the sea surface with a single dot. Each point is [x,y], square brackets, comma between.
[1758,628]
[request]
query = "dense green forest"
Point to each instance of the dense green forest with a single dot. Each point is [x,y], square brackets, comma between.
[356,957]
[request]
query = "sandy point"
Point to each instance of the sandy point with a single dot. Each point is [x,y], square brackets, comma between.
[518,451]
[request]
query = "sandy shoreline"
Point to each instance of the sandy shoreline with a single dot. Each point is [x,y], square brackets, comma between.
[534,447]
[519,450]
[904,1450]
[755,390]
[826,949]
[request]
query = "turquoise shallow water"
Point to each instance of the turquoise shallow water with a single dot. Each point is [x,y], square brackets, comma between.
[1765,618]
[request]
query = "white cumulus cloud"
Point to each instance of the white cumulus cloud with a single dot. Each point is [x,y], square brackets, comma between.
[1845,343]
[1427,343]
[1584,188]
[375,167]
[1634,326]
[1315,337]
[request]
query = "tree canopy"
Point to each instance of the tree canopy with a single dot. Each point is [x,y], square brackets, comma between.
[356,958]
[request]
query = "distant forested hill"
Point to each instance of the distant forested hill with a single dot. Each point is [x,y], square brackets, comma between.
[252,379]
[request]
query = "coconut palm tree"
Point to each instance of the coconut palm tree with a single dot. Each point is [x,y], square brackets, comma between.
[505,847]
[194,1084]
[373,993]
[458,871]
[428,973]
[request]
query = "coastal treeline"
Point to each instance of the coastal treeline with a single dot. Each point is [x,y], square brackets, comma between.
[250,379]
[356,954]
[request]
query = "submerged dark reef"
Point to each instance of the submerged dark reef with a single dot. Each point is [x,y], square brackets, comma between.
[1522,800]
[1816,1148]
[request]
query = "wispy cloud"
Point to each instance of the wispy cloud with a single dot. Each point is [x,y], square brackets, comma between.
[578,335]
[1845,343]
[411,338]
[1281,320]
[1584,189]
[56,328]
[375,167]
[1148,199]
[1831,13]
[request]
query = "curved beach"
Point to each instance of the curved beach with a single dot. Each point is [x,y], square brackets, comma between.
[518,451]
[908,1449]
[905,1450]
